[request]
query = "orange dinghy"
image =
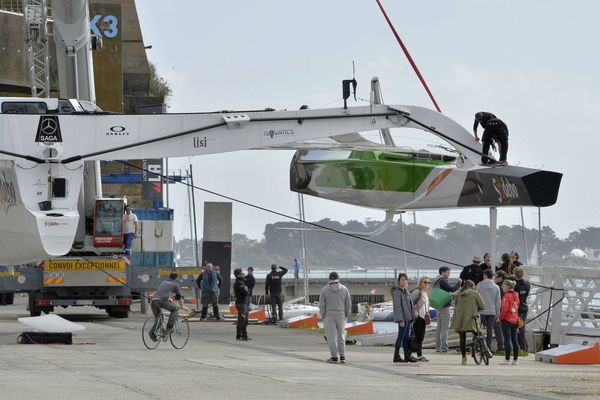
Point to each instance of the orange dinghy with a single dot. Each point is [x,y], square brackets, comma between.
[360,328]
[303,321]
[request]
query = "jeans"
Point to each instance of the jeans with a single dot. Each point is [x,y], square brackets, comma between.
[522,338]
[334,324]
[419,328]
[441,333]
[249,299]
[276,300]
[497,131]
[499,335]
[242,321]
[128,243]
[402,339]
[296,273]
[511,342]
[488,321]
[156,305]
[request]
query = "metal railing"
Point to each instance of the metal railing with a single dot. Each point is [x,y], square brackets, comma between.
[15,6]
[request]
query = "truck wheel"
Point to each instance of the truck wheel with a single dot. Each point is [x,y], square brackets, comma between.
[34,310]
[118,311]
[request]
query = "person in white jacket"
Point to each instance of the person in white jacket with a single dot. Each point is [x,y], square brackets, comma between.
[335,307]
[490,292]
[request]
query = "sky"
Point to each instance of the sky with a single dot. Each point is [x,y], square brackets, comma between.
[534,64]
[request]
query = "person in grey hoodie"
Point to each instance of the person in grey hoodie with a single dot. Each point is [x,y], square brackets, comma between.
[403,316]
[335,307]
[490,292]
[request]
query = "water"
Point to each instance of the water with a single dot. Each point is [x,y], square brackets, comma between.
[366,274]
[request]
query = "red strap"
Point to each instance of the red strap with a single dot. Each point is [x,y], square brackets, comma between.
[410,60]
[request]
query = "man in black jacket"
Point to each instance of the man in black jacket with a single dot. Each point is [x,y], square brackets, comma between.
[250,281]
[494,130]
[522,288]
[473,271]
[273,288]
[240,290]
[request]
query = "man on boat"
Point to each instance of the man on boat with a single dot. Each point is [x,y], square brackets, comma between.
[335,306]
[273,288]
[494,130]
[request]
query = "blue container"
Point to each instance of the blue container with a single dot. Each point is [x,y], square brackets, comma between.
[146,214]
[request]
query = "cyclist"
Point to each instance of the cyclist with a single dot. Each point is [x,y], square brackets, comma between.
[161,300]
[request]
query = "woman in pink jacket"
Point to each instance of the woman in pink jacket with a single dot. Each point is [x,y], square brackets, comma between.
[509,314]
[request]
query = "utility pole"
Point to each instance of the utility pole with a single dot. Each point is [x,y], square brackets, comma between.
[196,252]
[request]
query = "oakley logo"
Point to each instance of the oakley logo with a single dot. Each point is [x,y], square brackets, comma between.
[48,130]
[117,130]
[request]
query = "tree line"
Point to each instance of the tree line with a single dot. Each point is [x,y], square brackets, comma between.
[455,243]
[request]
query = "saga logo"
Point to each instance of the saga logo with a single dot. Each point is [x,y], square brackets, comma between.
[117,130]
[505,189]
[48,130]
[273,133]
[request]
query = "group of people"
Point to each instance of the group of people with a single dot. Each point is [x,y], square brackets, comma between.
[499,299]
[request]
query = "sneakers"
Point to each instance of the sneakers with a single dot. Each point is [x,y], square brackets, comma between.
[423,359]
[515,362]
[505,362]
[332,360]
[153,337]
[410,359]
[398,359]
[246,338]
[342,360]
[464,361]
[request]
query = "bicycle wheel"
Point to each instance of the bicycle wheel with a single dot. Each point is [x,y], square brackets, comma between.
[180,334]
[485,353]
[476,351]
[148,342]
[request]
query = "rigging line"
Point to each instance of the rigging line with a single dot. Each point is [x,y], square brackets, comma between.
[407,54]
[29,158]
[293,218]
[431,129]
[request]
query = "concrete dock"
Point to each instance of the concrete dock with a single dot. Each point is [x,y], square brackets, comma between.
[109,361]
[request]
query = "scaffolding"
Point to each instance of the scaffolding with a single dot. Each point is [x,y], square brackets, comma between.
[35,17]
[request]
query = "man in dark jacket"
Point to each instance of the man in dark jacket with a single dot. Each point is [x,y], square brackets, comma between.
[273,288]
[240,290]
[250,282]
[473,271]
[494,130]
[443,315]
[210,282]
[522,288]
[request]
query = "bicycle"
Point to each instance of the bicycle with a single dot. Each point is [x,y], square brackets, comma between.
[179,335]
[479,348]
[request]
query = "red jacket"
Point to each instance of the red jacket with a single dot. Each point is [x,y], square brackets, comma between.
[509,311]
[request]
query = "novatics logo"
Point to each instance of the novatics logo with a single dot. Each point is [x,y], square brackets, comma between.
[273,133]
[48,130]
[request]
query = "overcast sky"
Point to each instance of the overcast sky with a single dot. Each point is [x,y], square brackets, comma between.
[532,63]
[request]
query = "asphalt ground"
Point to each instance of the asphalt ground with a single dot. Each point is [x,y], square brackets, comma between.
[109,361]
